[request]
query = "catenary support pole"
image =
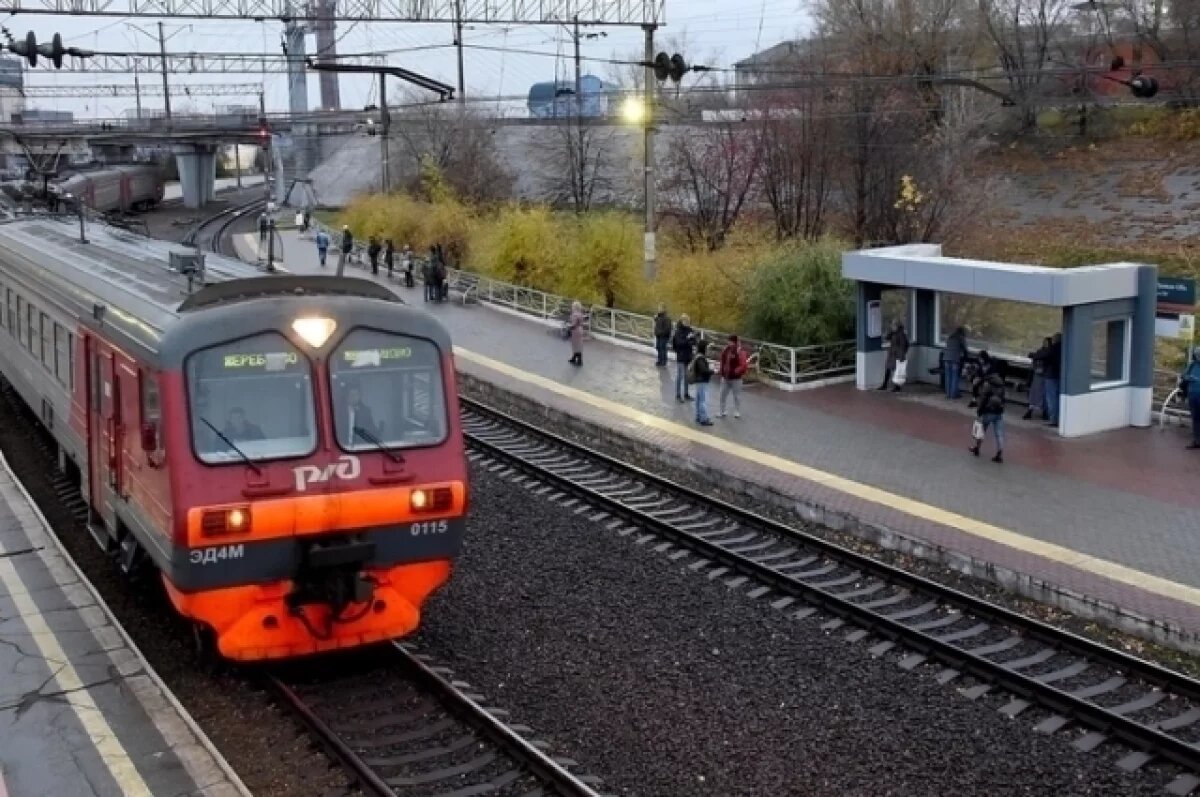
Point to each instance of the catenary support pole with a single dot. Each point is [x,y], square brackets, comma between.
[162,47]
[649,255]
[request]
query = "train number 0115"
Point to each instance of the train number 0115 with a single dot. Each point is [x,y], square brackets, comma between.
[429,527]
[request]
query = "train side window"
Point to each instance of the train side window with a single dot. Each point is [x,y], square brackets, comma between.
[12,310]
[151,413]
[20,322]
[61,356]
[47,345]
[31,332]
[70,361]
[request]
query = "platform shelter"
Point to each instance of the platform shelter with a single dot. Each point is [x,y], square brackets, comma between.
[1107,324]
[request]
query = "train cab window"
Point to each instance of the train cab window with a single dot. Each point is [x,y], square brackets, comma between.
[251,399]
[387,392]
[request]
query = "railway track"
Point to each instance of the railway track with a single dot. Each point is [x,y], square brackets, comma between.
[404,726]
[1096,694]
[212,233]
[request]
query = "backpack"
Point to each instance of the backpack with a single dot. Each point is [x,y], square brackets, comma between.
[697,370]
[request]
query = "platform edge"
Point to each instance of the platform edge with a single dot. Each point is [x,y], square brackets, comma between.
[184,714]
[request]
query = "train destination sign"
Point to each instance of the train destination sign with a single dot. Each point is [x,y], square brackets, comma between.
[365,357]
[267,361]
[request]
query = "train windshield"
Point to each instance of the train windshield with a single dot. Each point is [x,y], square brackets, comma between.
[387,392]
[251,400]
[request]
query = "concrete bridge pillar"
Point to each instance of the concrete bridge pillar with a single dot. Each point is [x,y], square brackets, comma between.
[197,173]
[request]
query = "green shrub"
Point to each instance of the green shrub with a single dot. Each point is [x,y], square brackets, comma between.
[798,297]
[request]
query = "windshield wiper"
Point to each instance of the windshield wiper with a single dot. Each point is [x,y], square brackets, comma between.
[375,441]
[249,462]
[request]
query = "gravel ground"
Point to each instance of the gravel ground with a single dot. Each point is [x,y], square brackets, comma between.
[616,446]
[267,748]
[666,683]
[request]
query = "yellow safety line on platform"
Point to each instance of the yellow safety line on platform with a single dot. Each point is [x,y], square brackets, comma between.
[865,492]
[108,746]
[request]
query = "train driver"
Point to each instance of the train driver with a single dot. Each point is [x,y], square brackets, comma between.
[358,417]
[238,429]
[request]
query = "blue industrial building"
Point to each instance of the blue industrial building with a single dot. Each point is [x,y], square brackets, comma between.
[556,100]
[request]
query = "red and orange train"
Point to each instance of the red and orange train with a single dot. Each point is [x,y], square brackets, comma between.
[285,451]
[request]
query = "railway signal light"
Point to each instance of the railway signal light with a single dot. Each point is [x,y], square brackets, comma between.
[29,49]
[678,67]
[662,66]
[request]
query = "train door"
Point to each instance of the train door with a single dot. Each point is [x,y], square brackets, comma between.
[104,462]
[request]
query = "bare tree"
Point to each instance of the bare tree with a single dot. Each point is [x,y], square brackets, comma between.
[796,130]
[709,176]
[459,142]
[1023,34]
[578,169]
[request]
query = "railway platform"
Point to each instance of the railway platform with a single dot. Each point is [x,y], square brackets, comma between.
[81,712]
[1107,526]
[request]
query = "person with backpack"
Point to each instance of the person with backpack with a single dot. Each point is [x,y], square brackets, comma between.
[322,246]
[732,368]
[683,341]
[662,335]
[1189,384]
[373,250]
[990,414]
[698,374]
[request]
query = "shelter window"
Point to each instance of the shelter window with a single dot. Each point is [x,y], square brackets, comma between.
[1110,352]
[387,392]
[253,396]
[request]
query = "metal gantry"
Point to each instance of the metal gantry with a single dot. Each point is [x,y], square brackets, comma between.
[508,12]
[196,63]
[116,90]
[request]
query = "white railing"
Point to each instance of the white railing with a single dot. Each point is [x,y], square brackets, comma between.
[1168,402]
[786,367]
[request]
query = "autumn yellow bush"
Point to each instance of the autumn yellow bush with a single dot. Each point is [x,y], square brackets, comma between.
[412,222]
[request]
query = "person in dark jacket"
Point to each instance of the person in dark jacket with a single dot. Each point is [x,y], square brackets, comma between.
[897,353]
[429,274]
[991,414]
[699,373]
[984,369]
[662,335]
[389,256]
[683,341]
[1051,373]
[262,227]
[406,260]
[952,361]
[347,248]
[373,250]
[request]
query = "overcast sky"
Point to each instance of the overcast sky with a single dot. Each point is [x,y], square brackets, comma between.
[716,32]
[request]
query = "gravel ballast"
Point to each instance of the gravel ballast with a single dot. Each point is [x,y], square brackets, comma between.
[665,682]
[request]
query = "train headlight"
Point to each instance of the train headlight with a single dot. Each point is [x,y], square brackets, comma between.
[437,499]
[314,331]
[216,522]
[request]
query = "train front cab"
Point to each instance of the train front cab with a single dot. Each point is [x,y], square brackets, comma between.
[317,472]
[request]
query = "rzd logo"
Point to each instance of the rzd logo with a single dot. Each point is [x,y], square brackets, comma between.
[346,468]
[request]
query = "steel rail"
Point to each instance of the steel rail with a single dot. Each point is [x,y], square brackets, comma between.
[543,766]
[366,777]
[1137,735]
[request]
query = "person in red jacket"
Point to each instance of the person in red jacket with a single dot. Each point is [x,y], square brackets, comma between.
[734,362]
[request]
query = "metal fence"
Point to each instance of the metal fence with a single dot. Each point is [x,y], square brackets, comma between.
[1164,385]
[786,367]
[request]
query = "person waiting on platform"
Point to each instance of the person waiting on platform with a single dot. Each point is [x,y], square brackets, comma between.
[952,361]
[347,247]
[983,371]
[406,262]
[733,365]
[1189,383]
[662,335]
[238,429]
[389,256]
[897,353]
[429,274]
[322,247]
[683,341]
[699,372]
[1037,385]
[373,250]
[575,333]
